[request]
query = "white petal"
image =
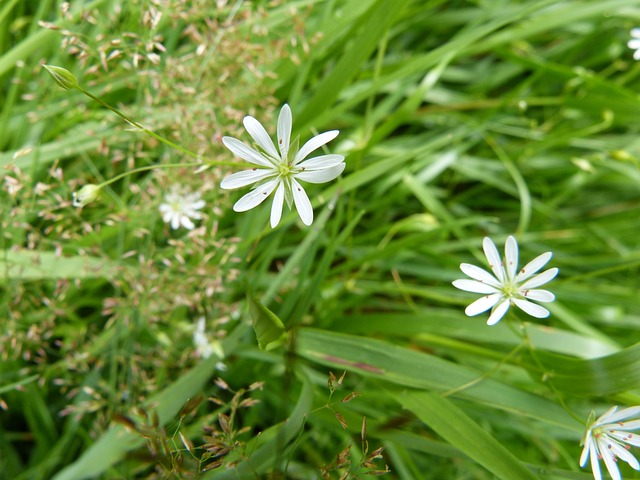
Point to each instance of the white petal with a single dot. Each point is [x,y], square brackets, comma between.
[323,161]
[474,286]
[303,205]
[609,459]
[531,308]
[511,256]
[498,312]
[595,463]
[260,135]
[541,279]
[255,197]
[479,274]
[613,415]
[186,222]
[585,451]
[625,437]
[284,130]
[634,44]
[314,143]
[247,177]
[539,295]
[276,207]
[533,266]
[635,32]
[482,304]
[625,455]
[636,54]
[246,152]
[321,176]
[495,262]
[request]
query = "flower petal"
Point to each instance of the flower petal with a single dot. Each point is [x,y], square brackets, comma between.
[303,205]
[322,162]
[474,286]
[532,309]
[246,177]
[321,176]
[284,130]
[256,196]
[314,143]
[622,453]
[482,304]
[613,415]
[498,312]
[533,266]
[276,207]
[246,152]
[260,135]
[540,279]
[608,457]
[595,463]
[539,295]
[511,256]
[479,274]
[587,448]
[495,262]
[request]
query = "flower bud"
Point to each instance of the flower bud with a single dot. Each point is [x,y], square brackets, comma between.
[87,194]
[62,76]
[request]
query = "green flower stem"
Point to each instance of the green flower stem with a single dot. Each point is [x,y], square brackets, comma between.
[144,169]
[142,128]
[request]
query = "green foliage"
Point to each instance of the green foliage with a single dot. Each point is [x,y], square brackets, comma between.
[127,348]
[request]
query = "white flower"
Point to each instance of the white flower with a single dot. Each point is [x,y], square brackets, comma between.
[634,44]
[606,438]
[281,170]
[180,207]
[507,287]
[200,340]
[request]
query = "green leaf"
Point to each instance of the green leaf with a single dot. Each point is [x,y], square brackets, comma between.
[452,424]
[613,373]
[29,265]
[269,329]
[409,368]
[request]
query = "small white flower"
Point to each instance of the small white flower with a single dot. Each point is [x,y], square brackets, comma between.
[200,340]
[609,438]
[180,207]
[634,44]
[281,170]
[507,287]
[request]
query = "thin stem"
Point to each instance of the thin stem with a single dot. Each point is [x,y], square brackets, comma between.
[139,126]
[144,169]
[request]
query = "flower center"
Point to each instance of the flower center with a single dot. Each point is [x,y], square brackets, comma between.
[285,169]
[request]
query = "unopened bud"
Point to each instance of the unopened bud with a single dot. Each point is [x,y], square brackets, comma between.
[87,194]
[62,76]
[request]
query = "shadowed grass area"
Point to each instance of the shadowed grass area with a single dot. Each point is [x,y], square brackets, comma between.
[341,350]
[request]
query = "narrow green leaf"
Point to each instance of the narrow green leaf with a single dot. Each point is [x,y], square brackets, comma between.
[455,426]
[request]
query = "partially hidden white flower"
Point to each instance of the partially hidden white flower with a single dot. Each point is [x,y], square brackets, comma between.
[634,43]
[180,207]
[507,287]
[609,438]
[280,169]
[200,340]
[205,347]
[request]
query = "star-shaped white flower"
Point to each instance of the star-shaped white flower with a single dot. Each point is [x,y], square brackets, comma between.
[507,287]
[280,169]
[180,207]
[634,44]
[609,438]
